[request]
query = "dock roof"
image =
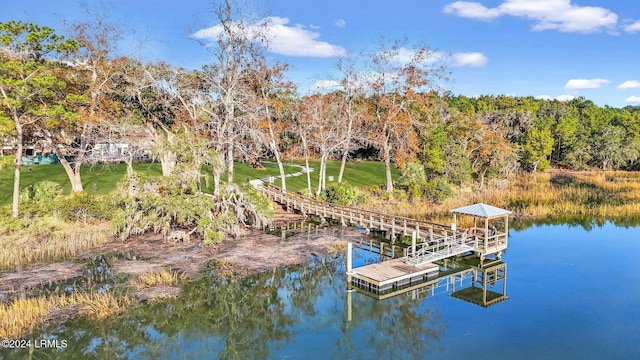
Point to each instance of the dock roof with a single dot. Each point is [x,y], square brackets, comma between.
[481,210]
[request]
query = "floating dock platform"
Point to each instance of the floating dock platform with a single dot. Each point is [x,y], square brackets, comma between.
[392,274]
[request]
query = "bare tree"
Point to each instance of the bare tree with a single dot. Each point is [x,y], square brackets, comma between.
[273,95]
[322,115]
[352,96]
[146,94]
[237,45]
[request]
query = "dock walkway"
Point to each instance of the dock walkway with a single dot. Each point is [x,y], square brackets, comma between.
[430,241]
[434,241]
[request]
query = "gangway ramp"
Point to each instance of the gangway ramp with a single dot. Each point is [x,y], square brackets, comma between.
[443,247]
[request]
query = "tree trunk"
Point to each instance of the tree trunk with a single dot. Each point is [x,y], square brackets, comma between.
[73,172]
[281,168]
[342,165]
[168,162]
[482,175]
[346,150]
[230,164]
[306,161]
[321,174]
[15,209]
[387,167]
[129,161]
[216,170]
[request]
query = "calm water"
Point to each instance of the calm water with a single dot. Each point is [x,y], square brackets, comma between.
[573,294]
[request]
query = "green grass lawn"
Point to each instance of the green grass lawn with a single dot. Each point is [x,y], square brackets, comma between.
[104,176]
[361,174]
[358,173]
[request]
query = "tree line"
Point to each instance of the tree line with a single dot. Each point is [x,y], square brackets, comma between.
[74,91]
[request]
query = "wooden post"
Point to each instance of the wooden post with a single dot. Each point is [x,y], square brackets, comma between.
[349,299]
[414,238]
[504,280]
[486,234]
[405,228]
[349,258]
[393,230]
[506,231]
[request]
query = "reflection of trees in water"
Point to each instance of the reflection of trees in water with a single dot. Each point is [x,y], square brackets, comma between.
[585,222]
[253,317]
[398,327]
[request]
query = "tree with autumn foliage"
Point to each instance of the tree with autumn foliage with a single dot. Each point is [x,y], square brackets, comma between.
[93,72]
[397,79]
[273,97]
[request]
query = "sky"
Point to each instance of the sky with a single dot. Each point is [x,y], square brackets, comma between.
[550,49]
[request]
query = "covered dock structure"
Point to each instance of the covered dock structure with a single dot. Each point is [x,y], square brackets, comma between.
[490,239]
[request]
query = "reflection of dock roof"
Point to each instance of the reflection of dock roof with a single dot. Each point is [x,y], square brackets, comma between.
[481,210]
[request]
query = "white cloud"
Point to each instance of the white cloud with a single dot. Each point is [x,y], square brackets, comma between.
[633,27]
[581,84]
[471,10]
[559,15]
[340,23]
[283,39]
[633,99]
[629,84]
[405,56]
[544,97]
[565,97]
[327,85]
[473,59]
[559,97]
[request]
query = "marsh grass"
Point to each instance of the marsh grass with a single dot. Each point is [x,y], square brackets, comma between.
[22,316]
[596,195]
[63,242]
[164,277]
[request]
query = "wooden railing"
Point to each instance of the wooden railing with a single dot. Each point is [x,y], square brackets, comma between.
[431,234]
[375,221]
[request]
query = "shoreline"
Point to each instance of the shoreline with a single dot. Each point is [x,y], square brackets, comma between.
[254,252]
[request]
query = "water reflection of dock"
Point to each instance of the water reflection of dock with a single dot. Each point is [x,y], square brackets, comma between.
[481,284]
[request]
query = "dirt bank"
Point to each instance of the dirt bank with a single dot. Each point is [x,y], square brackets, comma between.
[254,252]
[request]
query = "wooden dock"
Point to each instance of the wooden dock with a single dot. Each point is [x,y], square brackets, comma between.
[428,233]
[392,274]
[430,242]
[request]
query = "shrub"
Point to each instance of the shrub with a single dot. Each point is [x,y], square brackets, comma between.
[438,189]
[40,198]
[413,179]
[83,207]
[160,205]
[342,194]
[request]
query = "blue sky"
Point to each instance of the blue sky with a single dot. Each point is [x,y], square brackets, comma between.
[543,48]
